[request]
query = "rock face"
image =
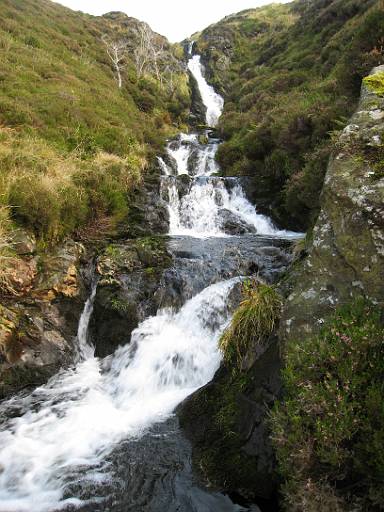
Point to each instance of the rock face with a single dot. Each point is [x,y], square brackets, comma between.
[233,224]
[346,255]
[198,109]
[225,421]
[38,325]
[128,290]
[148,214]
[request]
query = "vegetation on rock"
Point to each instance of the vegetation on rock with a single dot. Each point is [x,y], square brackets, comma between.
[291,74]
[375,83]
[253,322]
[329,432]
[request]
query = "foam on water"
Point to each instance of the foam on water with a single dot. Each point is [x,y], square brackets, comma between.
[75,420]
[213,102]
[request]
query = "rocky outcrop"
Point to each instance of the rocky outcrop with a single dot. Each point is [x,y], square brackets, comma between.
[128,290]
[225,421]
[346,254]
[148,214]
[38,323]
[198,109]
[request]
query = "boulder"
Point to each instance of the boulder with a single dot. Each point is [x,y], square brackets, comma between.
[226,421]
[129,290]
[232,224]
[346,255]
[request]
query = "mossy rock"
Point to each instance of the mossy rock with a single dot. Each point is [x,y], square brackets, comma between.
[226,422]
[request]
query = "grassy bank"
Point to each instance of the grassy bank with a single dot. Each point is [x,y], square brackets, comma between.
[291,75]
[74,146]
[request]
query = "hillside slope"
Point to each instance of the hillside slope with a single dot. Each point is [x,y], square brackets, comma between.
[85,105]
[291,76]
[62,113]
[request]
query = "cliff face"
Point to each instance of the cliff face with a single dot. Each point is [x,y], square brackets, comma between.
[346,255]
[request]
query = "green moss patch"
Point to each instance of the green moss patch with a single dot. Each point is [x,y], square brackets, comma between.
[375,83]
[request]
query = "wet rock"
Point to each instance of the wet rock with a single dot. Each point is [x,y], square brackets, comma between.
[226,422]
[196,265]
[148,214]
[129,290]
[232,224]
[193,161]
[184,183]
[198,109]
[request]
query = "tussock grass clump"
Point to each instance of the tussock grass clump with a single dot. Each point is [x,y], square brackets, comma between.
[52,193]
[253,322]
[329,431]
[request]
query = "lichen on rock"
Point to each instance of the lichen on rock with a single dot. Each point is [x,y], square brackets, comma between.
[346,255]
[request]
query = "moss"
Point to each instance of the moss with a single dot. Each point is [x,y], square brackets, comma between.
[329,432]
[252,324]
[375,83]
[221,458]
[120,305]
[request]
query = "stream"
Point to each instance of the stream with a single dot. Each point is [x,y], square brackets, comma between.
[103,436]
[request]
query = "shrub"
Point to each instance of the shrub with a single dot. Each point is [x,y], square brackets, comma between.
[253,322]
[329,431]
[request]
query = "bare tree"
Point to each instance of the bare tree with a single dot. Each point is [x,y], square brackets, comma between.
[116,51]
[149,53]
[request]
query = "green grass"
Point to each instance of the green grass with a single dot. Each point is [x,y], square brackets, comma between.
[74,147]
[329,430]
[253,322]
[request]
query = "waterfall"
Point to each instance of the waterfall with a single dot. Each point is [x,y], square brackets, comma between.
[212,206]
[58,438]
[74,420]
[206,206]
[213,102]
[85,349]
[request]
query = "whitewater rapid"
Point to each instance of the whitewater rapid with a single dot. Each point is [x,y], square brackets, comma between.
[74,421]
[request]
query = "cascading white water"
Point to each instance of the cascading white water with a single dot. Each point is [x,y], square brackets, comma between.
[213,102]
[201,212]
[84,348]
[74,420]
